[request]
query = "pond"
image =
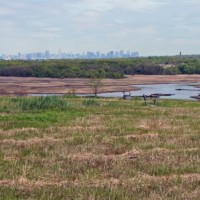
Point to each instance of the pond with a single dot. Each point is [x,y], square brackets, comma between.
[185,92]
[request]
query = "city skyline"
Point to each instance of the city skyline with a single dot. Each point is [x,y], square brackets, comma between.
[152,27]
[69,55]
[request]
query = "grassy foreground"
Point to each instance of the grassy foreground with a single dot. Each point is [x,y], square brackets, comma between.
[77,148]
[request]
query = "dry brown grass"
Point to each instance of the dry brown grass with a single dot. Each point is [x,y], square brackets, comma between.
[13,132]
[33,141]
[158,183]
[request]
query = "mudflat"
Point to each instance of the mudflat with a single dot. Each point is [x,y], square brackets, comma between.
[30,85]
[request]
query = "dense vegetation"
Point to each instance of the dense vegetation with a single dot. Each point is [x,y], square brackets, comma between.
[94,148]
[109,68]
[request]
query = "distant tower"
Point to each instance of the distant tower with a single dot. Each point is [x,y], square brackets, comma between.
[180,55]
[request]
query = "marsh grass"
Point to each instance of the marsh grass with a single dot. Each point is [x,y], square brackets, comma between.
[91,102]
[80,150]
[38,103]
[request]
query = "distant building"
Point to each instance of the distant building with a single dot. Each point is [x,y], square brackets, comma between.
[63,55]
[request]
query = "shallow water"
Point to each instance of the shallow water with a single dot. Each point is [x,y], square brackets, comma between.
[161,88]
[186,92]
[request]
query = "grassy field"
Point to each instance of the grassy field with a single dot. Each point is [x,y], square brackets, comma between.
[86,149]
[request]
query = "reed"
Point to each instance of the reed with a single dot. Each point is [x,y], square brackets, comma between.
[40,103]
[91,102]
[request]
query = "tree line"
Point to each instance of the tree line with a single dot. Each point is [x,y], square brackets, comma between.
[108,68]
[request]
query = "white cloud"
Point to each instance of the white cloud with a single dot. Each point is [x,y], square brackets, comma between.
[106,5]
[139,5]
[135,32]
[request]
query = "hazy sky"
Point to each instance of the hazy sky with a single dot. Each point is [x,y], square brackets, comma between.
[151,27]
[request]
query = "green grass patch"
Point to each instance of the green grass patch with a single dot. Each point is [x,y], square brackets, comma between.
[41,103]
[98,148]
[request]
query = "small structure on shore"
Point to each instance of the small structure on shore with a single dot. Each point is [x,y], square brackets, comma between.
[151,96]
[145,97]
[127,96]
[160,95]
[154,97]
